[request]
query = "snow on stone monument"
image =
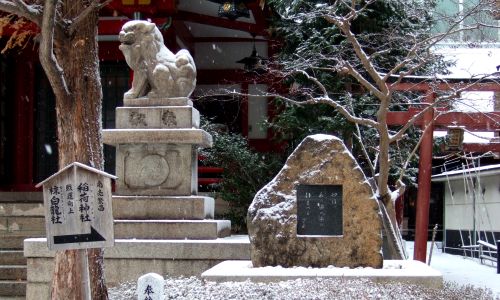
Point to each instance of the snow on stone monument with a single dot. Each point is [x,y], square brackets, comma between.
[318,211]
[150,287]
[158,73]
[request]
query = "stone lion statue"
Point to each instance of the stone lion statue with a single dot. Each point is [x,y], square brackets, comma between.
[158,73]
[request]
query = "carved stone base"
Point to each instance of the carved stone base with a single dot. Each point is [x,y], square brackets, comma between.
[156,170]
[158,101]
[172,229]
[160,208]
[191,136]
[157,117]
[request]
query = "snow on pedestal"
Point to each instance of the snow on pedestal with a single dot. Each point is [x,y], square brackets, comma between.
[150,287]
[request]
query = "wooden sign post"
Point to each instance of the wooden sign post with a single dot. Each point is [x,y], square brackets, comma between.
[78,212]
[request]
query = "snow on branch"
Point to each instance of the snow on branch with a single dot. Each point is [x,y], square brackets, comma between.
[18,7]
[47,58]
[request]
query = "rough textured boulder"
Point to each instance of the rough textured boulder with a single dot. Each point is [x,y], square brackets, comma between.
[272,217]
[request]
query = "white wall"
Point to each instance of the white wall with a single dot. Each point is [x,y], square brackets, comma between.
[459,210]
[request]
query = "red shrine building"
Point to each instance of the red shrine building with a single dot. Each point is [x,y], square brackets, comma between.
[28,152]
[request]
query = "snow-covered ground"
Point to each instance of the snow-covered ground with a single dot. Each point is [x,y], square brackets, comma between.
[459,274]
[463,270]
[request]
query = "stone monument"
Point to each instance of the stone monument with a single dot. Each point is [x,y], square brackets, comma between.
[156,137]
[150,287]
[161,224]
[318,211]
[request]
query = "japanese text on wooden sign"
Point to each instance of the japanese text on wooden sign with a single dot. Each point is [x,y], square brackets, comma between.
[319,210]
[78,209]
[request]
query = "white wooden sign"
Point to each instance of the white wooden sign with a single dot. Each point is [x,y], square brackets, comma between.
[78,208]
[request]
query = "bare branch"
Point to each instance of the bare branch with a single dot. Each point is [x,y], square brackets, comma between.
[363,148]
[104,4]
[354,73]
[316,81]
[345,26]
[78,20]
[20,8]
[47,58]
[316,100]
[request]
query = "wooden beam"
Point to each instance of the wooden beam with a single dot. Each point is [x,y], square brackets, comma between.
[475,121]
[476,147]
[423,87]
[228,77]
[118,5]
[111,27]
[223,40]
[221,22]
[185,35]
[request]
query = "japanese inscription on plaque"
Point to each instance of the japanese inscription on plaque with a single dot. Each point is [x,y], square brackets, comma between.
[78,208]
[456,138]
[319,210]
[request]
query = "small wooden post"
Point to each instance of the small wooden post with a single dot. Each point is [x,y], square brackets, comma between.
[498,256]
[79,214]
[432,244]
[84,273]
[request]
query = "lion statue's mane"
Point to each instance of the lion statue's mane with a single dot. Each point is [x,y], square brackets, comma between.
[158,73]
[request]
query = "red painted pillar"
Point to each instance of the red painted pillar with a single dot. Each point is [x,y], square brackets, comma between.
[424,187]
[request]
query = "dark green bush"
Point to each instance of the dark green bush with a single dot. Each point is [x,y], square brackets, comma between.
[245,171]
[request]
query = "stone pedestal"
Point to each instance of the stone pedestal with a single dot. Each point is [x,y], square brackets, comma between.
[394,271]
[157,169]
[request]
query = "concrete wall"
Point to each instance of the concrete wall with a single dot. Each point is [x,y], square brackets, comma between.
[471,205]
[130,259]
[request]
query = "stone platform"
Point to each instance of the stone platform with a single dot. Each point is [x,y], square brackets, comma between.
[129,259]
[404,271]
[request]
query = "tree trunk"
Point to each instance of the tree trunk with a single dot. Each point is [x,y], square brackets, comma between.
[79,135]
[389,210]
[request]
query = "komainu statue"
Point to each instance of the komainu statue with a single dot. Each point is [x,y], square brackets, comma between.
[158,73]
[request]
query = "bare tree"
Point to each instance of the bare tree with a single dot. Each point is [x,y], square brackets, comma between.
[68,54]
[380,72]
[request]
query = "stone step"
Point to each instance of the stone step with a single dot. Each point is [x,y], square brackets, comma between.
[12,288]
[161,208]
[19,197]
[25,209]
[15,223]
[172,229]
[11,272]
[15,240]
[12,257]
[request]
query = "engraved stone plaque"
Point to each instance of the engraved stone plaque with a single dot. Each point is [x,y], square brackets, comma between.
[156,169]
[319,210]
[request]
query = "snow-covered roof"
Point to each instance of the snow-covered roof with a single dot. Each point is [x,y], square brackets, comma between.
[490,170]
